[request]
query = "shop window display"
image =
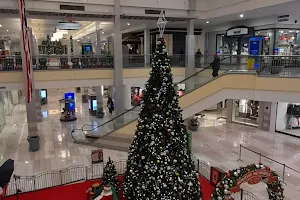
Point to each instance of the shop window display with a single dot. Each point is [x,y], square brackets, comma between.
[246,112]
[268,40]
[288,42]
[288,118]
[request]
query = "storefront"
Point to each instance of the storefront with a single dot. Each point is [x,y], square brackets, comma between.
[288,118]
[276,41]
[246,112]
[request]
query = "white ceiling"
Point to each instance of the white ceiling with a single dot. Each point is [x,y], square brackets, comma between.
[42,27]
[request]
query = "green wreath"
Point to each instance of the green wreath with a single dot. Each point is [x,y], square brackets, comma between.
[230,182]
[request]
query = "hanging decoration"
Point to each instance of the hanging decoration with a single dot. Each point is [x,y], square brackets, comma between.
[251,174]
[26,50]
[161,23]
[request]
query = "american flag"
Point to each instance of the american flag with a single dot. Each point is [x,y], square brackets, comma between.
[27,51]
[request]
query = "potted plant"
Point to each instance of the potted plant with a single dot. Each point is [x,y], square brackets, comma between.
[193,124]
[100,113]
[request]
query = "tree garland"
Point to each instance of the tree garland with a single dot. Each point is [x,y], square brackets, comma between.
[229,181]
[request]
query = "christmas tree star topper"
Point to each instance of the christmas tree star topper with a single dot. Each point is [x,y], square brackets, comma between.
[161,23]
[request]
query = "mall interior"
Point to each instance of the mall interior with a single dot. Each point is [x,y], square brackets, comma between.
[73,75]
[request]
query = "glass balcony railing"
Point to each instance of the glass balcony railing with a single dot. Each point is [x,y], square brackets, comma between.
[55,62]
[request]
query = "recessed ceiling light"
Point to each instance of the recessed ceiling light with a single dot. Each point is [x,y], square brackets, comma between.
[207,22]
[281,31]
[102,32]
[297,31]
[128,24]
[78,40]
[0,25]
[241,15]
[7,30]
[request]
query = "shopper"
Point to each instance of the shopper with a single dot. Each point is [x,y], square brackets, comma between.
[110,105]
[215,65]
[198,58]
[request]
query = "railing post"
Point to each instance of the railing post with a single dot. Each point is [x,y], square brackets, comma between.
[242,194]
[240,156]
[198,165]
[283,173]
[259,158]
[60,177]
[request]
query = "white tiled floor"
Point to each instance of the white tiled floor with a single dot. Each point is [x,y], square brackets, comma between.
[218,145]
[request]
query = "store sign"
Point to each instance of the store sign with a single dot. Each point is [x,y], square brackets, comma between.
[254,177]
[237,31]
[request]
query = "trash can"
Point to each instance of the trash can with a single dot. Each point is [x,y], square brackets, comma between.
[34,143]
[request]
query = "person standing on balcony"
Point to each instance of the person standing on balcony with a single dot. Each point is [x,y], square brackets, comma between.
[216,65]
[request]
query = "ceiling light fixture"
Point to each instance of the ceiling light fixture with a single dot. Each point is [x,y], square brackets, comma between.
[128,24]
[0,25]
[241,15]
[281,31]
[207,22]
[102,32]
[7,30]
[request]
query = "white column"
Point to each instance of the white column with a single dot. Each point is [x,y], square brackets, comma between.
[229,110]
[202,47]
[98,37]
[127,97]
[147,44]
[15,97]
[190,55]
[31,106]
[99,97]
[273,116]
[118,60]
[264,115]
[38,106]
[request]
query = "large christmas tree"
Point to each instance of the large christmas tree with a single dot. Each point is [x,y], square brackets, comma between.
[159,165]
[110,175]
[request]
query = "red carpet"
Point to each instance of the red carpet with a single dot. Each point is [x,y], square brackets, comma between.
[77,192]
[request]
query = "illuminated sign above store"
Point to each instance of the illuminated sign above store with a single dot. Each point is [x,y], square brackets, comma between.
[237,31]
[68,26]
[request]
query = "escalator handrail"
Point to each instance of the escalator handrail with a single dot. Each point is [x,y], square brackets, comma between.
[123,113]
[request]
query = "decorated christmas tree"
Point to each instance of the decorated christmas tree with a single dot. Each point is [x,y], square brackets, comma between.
[58,48]
[48,45]
[110,175]
[159,165]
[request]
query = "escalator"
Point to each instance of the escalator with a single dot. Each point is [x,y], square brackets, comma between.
[110,135]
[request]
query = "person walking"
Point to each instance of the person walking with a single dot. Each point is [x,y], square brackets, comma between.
[198,58]
[110,105]
[215,65]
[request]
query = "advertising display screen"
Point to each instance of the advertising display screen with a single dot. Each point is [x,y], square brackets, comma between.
[88,48]
[94,102]
[71,106]
[69,95]
[43,94]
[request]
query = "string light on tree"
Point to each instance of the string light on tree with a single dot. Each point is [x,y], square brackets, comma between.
[159,165]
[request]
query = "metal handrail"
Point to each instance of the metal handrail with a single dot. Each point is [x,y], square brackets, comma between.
[127,111]
[72,174]
[263,156]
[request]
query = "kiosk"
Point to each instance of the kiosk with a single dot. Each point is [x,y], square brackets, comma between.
[68,110]
[43,94]
[92,105]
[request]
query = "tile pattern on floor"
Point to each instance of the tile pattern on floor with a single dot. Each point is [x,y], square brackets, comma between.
[217,145]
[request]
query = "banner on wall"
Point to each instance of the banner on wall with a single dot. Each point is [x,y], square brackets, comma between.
[26,50]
